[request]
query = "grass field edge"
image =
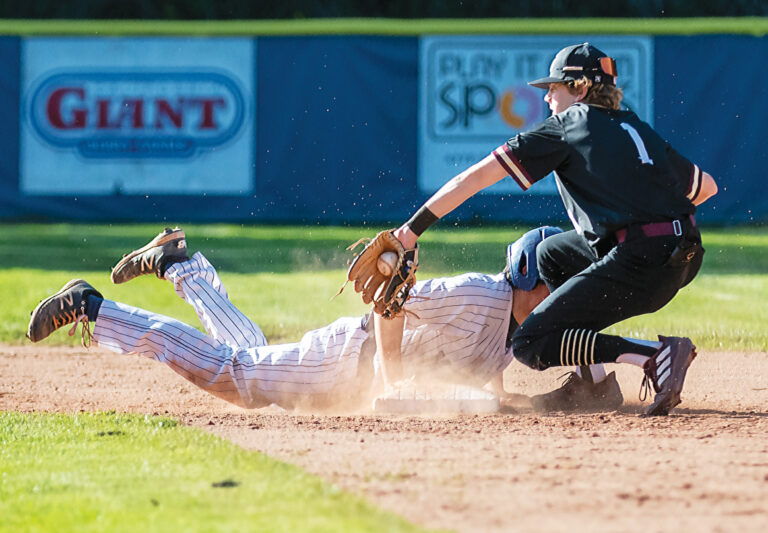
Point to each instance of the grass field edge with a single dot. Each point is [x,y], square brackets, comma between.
[96,431]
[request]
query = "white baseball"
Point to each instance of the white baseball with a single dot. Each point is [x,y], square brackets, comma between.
[387,263]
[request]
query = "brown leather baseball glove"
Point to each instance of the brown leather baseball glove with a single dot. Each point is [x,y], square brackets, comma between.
[387,293]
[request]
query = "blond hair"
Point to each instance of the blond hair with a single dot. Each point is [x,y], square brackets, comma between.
[599,94]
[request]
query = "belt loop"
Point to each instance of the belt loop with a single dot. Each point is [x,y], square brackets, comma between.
[677,228]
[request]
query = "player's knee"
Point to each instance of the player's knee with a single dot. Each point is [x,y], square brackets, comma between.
[527,349]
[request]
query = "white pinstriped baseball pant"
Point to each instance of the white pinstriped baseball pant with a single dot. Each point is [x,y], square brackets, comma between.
[233,361]
[457,334]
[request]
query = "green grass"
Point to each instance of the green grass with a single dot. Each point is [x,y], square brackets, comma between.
[108,472]
[757,26]
[283,277]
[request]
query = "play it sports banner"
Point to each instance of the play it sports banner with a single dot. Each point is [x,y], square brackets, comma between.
[137,116]
[474,95]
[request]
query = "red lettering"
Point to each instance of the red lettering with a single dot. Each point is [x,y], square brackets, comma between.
[123,115]
[207,121]
[103,107]
[138,113]
[67,108]
[53,109]
[164,109]
[131,112]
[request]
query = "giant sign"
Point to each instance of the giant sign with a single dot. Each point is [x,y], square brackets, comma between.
[137,116]
[474,95]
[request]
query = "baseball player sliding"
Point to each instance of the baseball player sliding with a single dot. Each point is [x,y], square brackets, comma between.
[458,331]
[631,198]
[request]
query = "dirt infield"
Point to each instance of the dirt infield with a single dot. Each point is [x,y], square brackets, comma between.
[705,468]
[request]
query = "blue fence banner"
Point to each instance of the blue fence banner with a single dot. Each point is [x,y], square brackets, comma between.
[10,70]
[137,116]
[474,95]
[348,129]
[716,118]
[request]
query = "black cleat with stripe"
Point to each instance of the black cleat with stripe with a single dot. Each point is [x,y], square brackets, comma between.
[578,394]
[665,372]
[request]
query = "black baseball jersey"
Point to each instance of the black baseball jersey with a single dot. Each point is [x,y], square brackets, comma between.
[612,169]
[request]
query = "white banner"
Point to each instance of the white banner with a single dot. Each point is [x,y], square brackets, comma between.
[474,96]
[103,116]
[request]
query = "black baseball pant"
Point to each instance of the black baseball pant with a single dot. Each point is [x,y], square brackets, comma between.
[590,292]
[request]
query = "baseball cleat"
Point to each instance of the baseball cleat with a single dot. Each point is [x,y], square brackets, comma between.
[665,372]
[578,394]
[65,307]
[170,246]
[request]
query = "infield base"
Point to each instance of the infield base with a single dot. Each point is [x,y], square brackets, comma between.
[416,399]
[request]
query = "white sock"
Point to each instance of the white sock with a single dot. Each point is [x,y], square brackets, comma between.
[633,359]
[597,371]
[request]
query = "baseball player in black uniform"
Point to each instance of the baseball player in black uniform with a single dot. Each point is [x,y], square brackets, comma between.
[631,198]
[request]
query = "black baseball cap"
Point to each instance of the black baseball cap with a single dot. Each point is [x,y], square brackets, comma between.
[577,61]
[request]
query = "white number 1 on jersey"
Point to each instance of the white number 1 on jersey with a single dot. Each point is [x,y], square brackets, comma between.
[641,151]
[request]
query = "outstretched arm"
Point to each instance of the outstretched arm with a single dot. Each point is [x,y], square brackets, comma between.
[497,384]
[389,337]
[508,400]
[455,192]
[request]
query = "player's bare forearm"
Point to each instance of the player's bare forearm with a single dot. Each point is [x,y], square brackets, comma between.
[497,384]
[708,189]
[508,400]
[456,191]
[406,236]
[389,338]
[465,185]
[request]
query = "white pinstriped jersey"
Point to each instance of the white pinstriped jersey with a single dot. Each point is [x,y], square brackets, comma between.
[460,331]
[459,335]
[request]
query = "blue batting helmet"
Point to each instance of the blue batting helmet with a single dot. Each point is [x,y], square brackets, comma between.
[522,253]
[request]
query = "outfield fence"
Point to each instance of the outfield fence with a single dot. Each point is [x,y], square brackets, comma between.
[343,121]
